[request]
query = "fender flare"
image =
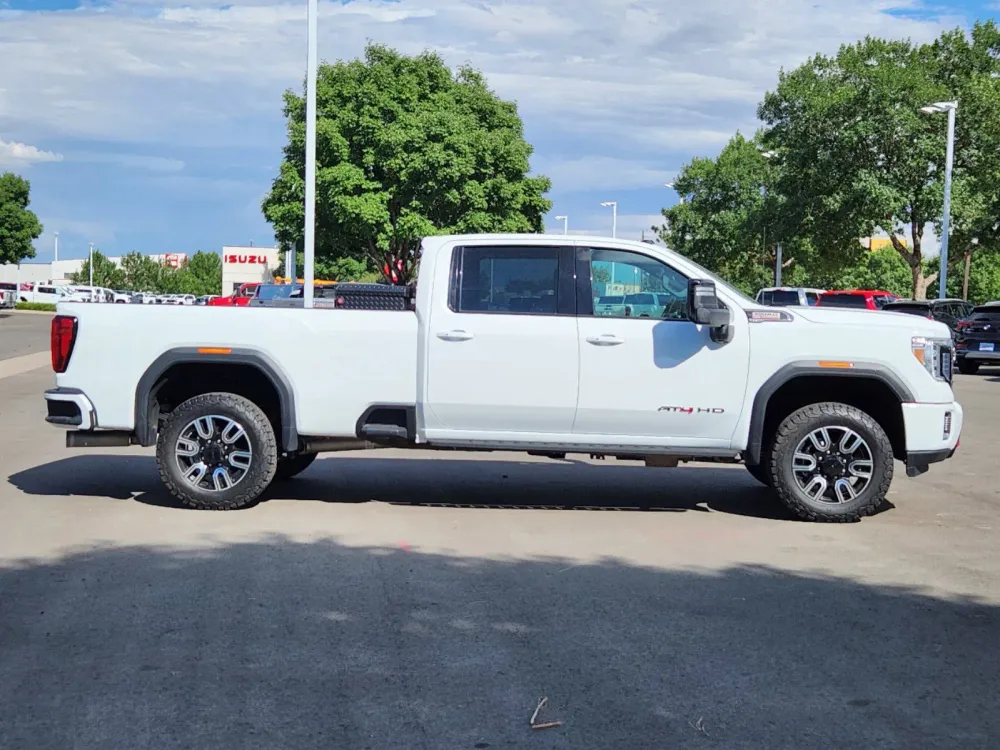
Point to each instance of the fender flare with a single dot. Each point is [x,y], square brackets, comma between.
[146,420]
[867,371]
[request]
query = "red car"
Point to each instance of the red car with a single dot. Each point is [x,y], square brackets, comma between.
[857,299]
[240,298]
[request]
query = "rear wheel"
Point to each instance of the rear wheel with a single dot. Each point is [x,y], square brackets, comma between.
[217,451]
[831,462]
[968,368]
[290,466]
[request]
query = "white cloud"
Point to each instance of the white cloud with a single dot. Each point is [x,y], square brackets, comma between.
[14,154]
[630,226]
[657,74]
[134,161]
[602,173]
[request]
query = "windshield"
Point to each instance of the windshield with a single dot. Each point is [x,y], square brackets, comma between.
[843,300]
[611,300]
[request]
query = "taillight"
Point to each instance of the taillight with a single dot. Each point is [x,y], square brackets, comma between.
[63,339]
[963,324]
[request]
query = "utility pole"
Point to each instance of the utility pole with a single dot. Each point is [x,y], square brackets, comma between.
[55,253]
[312,58]
[777,266]
[90,264]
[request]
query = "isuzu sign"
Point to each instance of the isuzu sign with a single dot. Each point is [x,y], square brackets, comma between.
[247,259]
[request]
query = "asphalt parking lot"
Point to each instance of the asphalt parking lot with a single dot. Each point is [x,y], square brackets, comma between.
[420,600]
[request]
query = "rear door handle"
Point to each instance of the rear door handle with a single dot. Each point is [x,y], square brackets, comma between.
[454,335]
[605,339]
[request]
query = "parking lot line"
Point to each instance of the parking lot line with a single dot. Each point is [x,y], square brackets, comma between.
[26,363]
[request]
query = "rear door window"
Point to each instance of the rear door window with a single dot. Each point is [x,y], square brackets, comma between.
[511,280]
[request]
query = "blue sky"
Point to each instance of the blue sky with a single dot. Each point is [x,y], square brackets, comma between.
[155,125]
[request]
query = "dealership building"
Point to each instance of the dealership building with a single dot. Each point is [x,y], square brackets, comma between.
[240,265]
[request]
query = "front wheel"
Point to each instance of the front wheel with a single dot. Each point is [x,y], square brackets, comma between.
[217,451]
[831,462]
[968,368]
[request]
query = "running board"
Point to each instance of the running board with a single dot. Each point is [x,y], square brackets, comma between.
[99,439]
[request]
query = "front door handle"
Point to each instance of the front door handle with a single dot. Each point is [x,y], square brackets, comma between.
[605,339]
[454,335]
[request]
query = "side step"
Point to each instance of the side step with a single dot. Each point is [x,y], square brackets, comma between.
[99,439]
[377,432]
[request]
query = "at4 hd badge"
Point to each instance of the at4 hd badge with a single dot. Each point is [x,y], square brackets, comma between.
[692,410]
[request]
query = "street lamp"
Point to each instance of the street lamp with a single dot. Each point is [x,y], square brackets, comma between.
[55,256]
[309,239]
[565,221]
[777,250]
[90,263]
[932,109]
[614,216]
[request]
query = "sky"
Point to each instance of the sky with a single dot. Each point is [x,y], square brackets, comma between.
[155,125]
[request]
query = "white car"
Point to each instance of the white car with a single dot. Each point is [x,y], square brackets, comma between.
[500,349]
[46,294]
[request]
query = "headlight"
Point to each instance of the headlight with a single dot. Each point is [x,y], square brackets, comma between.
[935,355]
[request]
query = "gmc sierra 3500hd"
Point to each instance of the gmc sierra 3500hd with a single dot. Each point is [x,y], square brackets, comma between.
[502,350]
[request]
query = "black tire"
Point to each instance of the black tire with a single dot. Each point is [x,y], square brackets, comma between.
[968,368]
[259,433]
[798,426]
[761,473]
[290,466]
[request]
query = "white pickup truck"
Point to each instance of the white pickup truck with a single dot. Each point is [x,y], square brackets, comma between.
[502,350]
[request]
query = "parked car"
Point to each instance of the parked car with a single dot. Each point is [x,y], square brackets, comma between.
[947,311]
[266,293]
[120,297]
[613,305]
[643,305]
[977,339]
[240,298]
[857,299]
[232,400]
[205,299]
[45,293]
[143,298]
[789,296]
[8,294]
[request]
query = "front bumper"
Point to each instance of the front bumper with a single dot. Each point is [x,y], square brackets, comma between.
[69,407]
[977,356]
[932,434]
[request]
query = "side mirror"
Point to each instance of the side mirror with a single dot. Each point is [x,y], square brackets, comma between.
[705,309]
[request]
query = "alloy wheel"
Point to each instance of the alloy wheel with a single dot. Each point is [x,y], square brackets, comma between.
[213,453]
[833,465]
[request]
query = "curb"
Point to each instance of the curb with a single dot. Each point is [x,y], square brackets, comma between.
[28,312]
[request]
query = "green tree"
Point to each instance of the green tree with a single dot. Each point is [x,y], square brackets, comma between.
[106,273]
[334,269]
[857,155]
[731,219]
[141,273]
[19,226]
[405,149]
[200,275]
[879,269]
[984,278]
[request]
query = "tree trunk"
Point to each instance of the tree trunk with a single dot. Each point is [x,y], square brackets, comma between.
[921,282]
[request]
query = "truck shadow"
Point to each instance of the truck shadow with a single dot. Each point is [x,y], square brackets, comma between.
[439,482]
[287,643]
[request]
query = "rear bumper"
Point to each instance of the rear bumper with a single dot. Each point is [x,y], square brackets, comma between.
[932,434]
[70,407]
[977,356]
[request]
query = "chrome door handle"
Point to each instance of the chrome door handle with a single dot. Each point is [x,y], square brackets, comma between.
[454,335]
[605,339]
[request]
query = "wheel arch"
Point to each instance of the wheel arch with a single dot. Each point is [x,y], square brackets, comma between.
[801,374]
[147,410]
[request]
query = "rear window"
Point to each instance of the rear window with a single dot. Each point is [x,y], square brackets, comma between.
[8,285]
[784,298]
[843,300]
[909,308]
[984,312]
[611,301]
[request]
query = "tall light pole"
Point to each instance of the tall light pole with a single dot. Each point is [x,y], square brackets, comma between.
[90,264]
[777,251]
[614,216]
[309,239]
[55,252]
[951,108]
[565,221]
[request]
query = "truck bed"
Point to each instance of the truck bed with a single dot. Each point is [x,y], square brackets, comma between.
[335,361]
